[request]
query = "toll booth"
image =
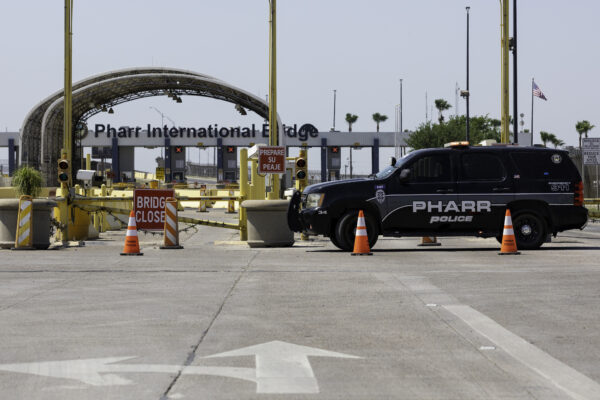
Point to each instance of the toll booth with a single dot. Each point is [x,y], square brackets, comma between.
[126,163]
[11,141]
[334,163]
[228,170]
[178,173]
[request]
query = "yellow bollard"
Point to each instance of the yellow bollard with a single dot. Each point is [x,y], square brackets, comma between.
[24,236]
[257,188]
[202,203]
[231,203]
[243,220]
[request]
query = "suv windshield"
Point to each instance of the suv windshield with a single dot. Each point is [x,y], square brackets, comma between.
[389,170]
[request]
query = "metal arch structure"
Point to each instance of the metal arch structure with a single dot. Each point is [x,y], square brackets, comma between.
[42,130]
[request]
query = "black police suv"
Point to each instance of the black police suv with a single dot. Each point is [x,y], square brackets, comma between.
[459,190]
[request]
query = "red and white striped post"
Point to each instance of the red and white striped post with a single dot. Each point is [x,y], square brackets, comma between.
[171,231]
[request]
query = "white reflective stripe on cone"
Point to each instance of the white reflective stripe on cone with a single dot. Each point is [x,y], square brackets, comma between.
[508,232]
[361,221]
[131,222]
[361,232]
[507,220]
[131,232]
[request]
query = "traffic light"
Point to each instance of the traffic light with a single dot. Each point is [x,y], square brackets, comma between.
[63,170]
[301,171]
[335,149]
[300,168]
[178,149]
[230,149]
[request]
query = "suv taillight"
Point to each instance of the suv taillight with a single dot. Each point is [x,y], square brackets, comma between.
[578,194]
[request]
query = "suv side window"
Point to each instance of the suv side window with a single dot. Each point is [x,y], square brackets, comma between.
[481,167]
[431,168]
[544,165]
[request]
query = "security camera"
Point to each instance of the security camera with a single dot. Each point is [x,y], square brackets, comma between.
[464,93]
[86,176]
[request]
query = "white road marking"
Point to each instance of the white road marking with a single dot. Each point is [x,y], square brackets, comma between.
[569,380]
[576,385]
[280,368]
[283,367]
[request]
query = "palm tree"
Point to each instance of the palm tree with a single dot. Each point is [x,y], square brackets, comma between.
[583,127]
[350,119]
[379,118]
[546,137]
[441,106]
[556,142]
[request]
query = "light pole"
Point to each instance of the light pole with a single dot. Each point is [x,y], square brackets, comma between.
[467,94]
[273,128]
[68,90]
[334,100]
[505,84]
[514,51]
[162,123]
[401,106]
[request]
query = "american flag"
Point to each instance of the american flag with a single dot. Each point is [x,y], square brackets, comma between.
[538,92]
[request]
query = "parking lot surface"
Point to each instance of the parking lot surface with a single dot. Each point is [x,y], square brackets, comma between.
[219,320]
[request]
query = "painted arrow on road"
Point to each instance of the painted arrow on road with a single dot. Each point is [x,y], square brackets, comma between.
[283,367]
[280,368]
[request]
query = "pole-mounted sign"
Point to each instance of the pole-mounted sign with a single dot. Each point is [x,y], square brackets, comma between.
[271,160]
[591,151]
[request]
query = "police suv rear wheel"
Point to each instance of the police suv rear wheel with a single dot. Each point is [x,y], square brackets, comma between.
[530,230]
[346,229]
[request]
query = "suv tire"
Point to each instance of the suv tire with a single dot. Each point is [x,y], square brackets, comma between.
[333,239]
[346,229]
[530,230]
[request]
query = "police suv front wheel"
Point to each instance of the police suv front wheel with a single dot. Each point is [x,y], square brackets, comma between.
[346,229]
[530,230]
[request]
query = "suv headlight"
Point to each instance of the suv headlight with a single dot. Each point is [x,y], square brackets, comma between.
[314,200]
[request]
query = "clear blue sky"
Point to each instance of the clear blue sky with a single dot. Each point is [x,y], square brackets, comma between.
[359,48]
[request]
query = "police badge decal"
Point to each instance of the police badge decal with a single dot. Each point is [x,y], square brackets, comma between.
[380,193]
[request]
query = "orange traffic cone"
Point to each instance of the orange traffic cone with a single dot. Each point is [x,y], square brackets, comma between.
[132,245]
[509,243]
[361,240]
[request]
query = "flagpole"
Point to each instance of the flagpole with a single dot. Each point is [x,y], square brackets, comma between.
[532,111]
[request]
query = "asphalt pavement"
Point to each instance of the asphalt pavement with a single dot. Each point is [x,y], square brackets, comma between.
[219,320]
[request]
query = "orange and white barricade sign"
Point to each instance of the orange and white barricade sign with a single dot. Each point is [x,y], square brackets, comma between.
[171,231]
[24,236]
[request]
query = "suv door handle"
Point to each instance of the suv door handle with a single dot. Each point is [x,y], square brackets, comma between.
[501,189]
[445,190]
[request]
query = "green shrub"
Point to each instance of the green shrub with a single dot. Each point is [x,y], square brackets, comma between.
[27,181]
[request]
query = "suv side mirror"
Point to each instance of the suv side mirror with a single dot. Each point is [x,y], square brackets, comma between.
[404,174]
